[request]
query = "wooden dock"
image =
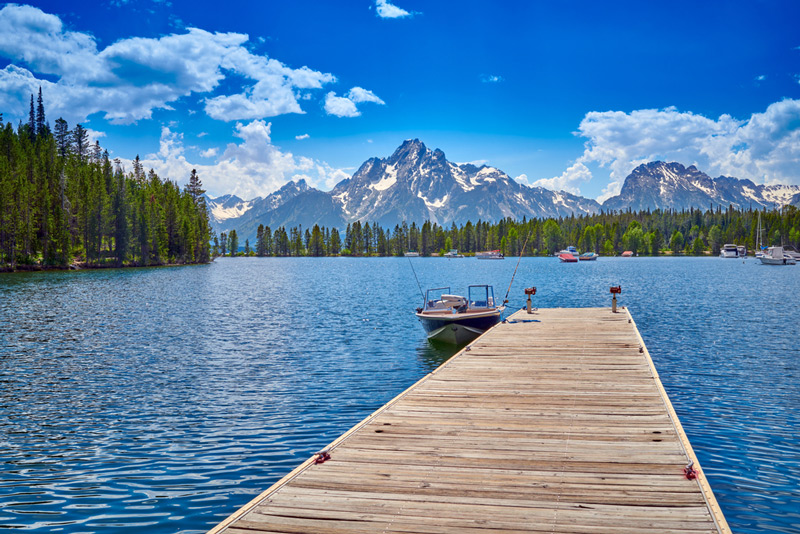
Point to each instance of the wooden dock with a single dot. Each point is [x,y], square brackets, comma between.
[553,422]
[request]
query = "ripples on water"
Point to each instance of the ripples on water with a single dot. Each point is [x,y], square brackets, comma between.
[166,398]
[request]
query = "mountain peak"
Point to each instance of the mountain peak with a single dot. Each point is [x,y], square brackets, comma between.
[410,151]
[298,185]
[662,185]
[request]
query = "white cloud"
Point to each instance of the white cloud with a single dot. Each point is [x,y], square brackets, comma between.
[761,77]
[386,10]
[253,167]
[340,106]
[359,95]
[568,181]
[132,77]
[301,137]
[345,106]
[764,148]
[210,153]
[491,78]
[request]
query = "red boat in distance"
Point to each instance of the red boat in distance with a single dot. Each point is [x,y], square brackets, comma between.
[567,258]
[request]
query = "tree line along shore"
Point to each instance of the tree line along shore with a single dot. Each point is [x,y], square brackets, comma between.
[686,232]
[65,204]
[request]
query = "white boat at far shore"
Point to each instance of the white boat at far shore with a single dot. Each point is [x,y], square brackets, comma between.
[776,256]
[490,255]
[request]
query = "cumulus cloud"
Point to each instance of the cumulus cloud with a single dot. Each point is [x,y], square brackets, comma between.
[210,153]
[491,78]
[340,106]
[568,181]
[301,137]
[359,95]
[385,10]
[764,148]
[345,106]
[252,167]
[132,77]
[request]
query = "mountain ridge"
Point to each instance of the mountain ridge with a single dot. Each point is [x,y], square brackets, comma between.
[415,184]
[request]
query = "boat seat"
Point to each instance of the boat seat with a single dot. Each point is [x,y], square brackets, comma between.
[453,301]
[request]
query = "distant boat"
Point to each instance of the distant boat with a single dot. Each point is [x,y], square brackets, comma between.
[490,255]
[458,320]
[569,250]
[588,256]
[453,254]
[733,251]
[627,254]
[411,254]
[791,251]
[776,256]
[567,258]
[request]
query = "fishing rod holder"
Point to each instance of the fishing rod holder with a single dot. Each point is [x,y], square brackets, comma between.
[530,291]
[615,290]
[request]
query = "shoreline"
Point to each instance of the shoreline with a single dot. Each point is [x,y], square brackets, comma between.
[82,266]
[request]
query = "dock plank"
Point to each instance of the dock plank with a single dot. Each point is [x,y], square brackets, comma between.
[559,425]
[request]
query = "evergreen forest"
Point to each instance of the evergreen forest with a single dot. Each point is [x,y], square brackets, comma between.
[63,204]
[688,232]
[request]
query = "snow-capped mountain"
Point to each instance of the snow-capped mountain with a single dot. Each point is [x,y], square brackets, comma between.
[660,185]
[414,184]
[418,184]
[230,212]
[227,207]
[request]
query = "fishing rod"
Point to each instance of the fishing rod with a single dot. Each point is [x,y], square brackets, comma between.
[415,278]
[505,300]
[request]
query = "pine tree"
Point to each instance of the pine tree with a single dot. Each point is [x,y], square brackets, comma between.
[80,141]
[41,125]
[32,122]
[62,134]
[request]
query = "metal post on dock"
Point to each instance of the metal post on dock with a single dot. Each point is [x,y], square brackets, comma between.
[615,290]
[530,291]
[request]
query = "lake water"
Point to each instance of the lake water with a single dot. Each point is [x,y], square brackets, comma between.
[164,399]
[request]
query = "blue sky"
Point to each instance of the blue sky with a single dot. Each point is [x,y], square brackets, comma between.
[565,95]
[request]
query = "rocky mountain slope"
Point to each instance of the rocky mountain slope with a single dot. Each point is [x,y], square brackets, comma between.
[660,185]
[417,184]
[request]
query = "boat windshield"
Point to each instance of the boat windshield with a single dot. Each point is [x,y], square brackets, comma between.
[433,298]
[481,296]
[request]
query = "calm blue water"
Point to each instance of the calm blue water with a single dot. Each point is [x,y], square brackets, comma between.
[163,399]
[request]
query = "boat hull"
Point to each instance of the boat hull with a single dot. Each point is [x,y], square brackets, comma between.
[455,329]
[777,261]
[567,258]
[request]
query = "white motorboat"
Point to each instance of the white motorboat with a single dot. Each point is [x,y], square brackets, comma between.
[571,250]
[411,254]
[733,251]
[791,251]
[490,255]
[776,256]
[458,320]
[729,251]
[453,254]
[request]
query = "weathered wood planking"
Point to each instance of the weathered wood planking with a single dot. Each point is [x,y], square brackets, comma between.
[559,425]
